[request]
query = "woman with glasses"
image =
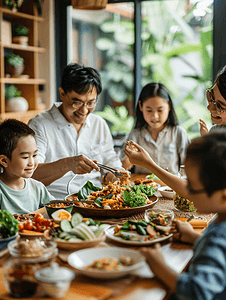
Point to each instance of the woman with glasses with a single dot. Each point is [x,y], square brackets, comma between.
[69,136]
[216,98]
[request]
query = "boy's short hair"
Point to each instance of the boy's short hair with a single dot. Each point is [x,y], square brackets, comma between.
[209,154]
[80,79]
[11,130]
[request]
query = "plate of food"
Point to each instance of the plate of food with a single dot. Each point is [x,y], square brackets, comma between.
[113,200]
[155,228]
[32,225]
[106,263]
[77,233]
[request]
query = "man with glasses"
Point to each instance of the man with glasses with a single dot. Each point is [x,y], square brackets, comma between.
[69,136]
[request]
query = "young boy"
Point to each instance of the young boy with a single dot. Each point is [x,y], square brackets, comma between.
[19,193]
[205,277]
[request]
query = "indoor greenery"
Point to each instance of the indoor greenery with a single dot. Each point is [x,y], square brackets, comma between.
[14,60]
[12,92]
[118,119]
[20,30]
[14,4]
[160,47]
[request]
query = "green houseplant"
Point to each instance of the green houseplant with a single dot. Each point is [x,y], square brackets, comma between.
[12,92]
[14,101]
[15,4]
[20,34]
[14,65]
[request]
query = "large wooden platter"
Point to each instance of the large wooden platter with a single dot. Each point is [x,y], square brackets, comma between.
[110,213]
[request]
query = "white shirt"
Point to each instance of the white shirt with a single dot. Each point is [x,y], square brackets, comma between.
[56,139]
[168,151]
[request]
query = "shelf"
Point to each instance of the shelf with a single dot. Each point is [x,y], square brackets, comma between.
[23,81]
[23,48]
[8,13]
[22,116]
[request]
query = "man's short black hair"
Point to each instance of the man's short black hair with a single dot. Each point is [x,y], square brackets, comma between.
[11,130]
[80,79]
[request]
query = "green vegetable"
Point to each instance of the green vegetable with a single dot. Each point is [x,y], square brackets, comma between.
[141,230]
[134,199]
[8,224]
[65,225]
[152,176]
[87,189]
[148,190]
[76,219]
[90,222]
[98,202]
[142,223]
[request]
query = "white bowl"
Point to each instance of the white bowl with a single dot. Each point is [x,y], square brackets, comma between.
[86,257]
[165,193]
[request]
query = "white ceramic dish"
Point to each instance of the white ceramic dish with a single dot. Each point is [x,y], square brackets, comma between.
[74,245]
[82,258]
[110,234]
[167,194]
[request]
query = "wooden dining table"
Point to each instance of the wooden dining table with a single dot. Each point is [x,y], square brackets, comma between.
[140,285]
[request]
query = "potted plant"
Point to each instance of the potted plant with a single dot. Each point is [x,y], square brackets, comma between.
[14,65]
[20,35]
[14,101]
[14,5]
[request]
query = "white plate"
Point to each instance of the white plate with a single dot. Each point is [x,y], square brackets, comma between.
[110,234]
[166,194]
[86,257]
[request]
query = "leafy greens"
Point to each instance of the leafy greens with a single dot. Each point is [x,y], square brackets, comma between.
[87,189]
[8,224]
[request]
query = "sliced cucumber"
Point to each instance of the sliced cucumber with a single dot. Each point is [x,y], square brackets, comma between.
[76,219]
[79,234]
[101,230]
[86,230]
[62,235]
[65,225]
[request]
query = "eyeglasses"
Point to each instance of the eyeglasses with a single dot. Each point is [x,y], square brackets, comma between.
[210,98]
[193,192]
[80,104]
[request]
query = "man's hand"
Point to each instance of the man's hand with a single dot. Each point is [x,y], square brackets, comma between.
[81,164]
[203,128]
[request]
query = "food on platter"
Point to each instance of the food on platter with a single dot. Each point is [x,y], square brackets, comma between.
[110,264]
[114,196]
[8,224]
[78,229]
[183,204]
[82,258]
[36,224]
[166,192]
[58,205]
[155,226]
[60,215]
[140,231]
[30,248]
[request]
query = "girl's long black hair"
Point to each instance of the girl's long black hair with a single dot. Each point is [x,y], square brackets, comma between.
[150,90]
